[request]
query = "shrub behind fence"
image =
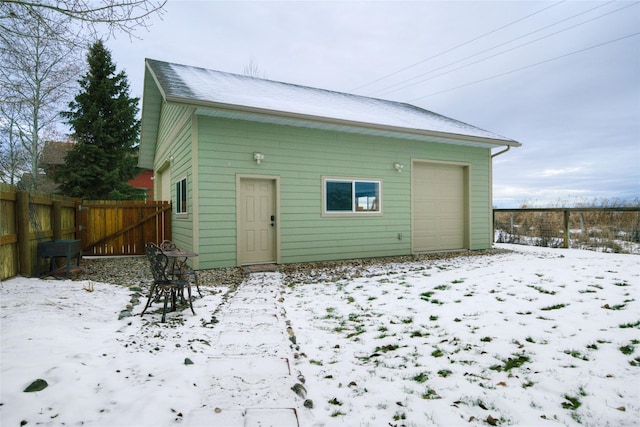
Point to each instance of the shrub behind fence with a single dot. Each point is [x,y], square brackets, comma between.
[615,229]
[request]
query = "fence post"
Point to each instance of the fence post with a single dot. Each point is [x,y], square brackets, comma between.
[57,220]
[25,263]
[567,237]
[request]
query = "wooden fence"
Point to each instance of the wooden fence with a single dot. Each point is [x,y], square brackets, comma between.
[589,227]
[105,227]
[122,227]
[27,218]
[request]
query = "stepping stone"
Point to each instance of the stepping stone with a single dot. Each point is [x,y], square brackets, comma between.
[248,367]
[252,417]
[262,417]
[246,343]
[261,268]
[238,322]
[218,418]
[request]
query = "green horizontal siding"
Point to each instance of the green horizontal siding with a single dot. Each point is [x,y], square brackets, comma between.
[174,139]
[300,157]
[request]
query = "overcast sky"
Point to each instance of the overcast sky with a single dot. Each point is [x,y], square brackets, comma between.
[562,78]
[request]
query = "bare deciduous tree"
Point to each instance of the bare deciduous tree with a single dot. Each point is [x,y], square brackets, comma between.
[36,77]
[252,69]
[40,46]
[88,15]
[13,157]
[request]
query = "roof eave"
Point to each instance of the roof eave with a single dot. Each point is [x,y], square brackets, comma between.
[295,119]
[150,119]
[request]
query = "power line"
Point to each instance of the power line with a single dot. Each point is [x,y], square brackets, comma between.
[456,47]
[525,67]
[405,84]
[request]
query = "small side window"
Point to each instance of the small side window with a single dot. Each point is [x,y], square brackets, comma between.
[181,196]
[351,196]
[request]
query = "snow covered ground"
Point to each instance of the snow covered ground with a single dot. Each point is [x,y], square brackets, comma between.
[531,337]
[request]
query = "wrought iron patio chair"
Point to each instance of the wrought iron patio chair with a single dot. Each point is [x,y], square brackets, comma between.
[179,267]
[162,286]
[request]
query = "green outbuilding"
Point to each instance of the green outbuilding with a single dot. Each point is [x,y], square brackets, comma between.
[260,171]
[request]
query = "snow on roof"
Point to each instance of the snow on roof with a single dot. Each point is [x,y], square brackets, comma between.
[186,83]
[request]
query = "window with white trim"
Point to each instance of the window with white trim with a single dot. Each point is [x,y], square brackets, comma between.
[181,196]
[351,196]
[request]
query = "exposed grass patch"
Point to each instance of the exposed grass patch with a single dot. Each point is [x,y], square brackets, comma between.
[627,349]
[437,353]
[399,416]
[576,354]
[486,339]
[436,301]
[518,343]
[315,362]
[386,348]
[630,325]
[430,394]
[542,290]
[444,373]
[359,329]
[433,318]
[426,296]
[335,401]
[510,363]
[441,288]
[572,402]
[528,383]
[614,307]
[554,307]
[421,377]
[621,284]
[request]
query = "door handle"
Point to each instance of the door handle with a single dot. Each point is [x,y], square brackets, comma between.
[273,219]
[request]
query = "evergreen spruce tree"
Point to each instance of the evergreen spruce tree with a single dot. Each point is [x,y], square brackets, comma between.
[103,119]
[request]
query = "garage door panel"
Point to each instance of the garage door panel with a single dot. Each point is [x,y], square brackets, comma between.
[438,207]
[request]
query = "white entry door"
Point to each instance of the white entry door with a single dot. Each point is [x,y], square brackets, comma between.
[257,221]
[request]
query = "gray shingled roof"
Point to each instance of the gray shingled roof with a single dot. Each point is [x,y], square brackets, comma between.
[54,152]
[220,90]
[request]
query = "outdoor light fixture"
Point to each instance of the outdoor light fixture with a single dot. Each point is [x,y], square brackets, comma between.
[258,157]
[397,166]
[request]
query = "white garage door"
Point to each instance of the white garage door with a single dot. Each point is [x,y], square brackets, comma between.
[438,207]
